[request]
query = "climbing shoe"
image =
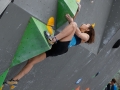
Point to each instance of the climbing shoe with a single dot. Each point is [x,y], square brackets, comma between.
[12,82]
[50,38]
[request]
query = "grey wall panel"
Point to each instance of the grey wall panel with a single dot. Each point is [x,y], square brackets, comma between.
[61,72]
[42,9]
[96,12]
[113,23]
[43,75]
[12,26]
[3,5]
[106,62]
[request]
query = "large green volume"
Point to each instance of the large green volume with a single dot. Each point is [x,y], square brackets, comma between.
[3,76]
[33,42]
[65,7]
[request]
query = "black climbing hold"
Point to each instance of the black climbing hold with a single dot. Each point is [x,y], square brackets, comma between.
[117,44]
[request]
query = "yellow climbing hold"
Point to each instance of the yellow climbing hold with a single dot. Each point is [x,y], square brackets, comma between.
[12,87]
[50,30]
[51,21]
[1,88]
[78,1]
[50,24]
[93,25]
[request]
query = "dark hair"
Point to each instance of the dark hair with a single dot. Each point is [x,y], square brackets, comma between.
[91,33]
[113,80]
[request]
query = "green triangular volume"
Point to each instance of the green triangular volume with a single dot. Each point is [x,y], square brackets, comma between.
[65,7]
[3,76]
[33,42]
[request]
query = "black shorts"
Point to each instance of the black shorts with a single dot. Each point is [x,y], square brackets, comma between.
[58,48]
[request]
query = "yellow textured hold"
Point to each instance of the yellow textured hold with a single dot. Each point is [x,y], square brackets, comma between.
[50,30]
[12,87]
[78,1]
[51,21]
[93,25]
[1,88]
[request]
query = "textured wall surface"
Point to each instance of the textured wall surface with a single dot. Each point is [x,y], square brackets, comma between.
[12,26]
[3,5]
[42,9]
[98,13]
[61,72]
[112,25]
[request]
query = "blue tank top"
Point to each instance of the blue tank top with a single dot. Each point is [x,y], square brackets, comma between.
[75,41]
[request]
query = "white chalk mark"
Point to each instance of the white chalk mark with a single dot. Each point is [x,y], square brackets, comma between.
[88,62]
[30,82]
[90,53]
[19,26]
[6,12]
[109,35]
[108,52]
[103,81]
[76,71]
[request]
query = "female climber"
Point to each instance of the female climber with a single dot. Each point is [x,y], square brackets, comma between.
[71,35]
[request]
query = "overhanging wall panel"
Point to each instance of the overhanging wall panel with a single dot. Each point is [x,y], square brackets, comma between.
[62,72]
[113,23]
[3,5]
[12,26]
[59,72]
[96,12]
[42,9]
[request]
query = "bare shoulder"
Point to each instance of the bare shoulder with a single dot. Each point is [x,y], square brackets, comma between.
[86,37]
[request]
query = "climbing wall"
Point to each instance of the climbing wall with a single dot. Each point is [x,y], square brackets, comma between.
[65,7]
[112,25]
[33,42]
[61,72]
[10,36]
[41,9]
[90,13]
[12,26]
[3,5]
[96,12]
